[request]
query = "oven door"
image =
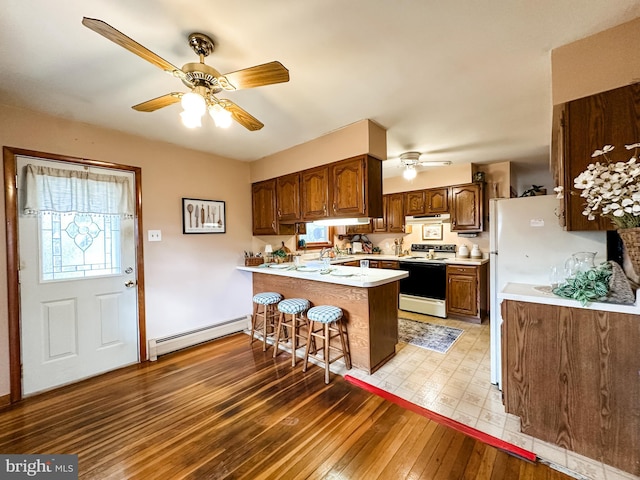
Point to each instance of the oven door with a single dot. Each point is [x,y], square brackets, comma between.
[424,290]
[427,280]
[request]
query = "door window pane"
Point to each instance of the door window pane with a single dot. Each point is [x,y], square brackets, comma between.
[79,245]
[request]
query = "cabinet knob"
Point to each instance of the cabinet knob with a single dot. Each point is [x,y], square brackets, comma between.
[334,208]
[279,214]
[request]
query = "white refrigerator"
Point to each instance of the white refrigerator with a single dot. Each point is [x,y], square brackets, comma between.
[526,240]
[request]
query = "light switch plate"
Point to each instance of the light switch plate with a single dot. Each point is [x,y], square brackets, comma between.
[155,235]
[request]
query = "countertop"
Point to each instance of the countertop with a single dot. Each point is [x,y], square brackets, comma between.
[539,294]
[407,258]
[339,274]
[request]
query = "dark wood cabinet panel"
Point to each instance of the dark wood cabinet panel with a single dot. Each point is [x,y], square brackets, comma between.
[608,118]
[288,198]
[395,213]
[264,208]
[467,207]
[467,292]
[314,187]
[571,375]
[414,202]
[437,200]
[380,224]
[359,229]
[389,264]
[356,187]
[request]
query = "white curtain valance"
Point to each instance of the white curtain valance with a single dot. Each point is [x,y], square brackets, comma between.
[55,190]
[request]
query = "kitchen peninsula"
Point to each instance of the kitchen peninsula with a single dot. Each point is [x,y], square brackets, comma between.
[368,299]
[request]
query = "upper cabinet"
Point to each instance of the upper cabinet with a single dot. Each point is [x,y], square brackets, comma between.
[395,213]
[437,200]
[607,118]
[315,193]
[414,203]
[466,207]
[264,211]
[356,187]
[288,198]
[348,188]
[426,202]
[379,225]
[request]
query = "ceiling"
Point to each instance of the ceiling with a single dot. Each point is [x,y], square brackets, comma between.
[466,81]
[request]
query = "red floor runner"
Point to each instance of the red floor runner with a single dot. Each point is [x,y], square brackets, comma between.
[436,417]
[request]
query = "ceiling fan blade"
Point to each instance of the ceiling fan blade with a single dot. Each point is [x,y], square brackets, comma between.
[265,74]
[121,39]
[159,102]
[241,116]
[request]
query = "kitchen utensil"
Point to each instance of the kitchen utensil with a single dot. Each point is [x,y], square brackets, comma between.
[202,216]
[209,220]
[190,210]
[197,216]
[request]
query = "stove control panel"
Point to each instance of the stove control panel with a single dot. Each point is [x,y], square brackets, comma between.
[425,247]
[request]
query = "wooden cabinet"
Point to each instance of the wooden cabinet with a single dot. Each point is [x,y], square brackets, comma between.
[389,264]
[379,225]
[351,263]
[467,207]
[414,202]
[359,229]
[314,188]
[426,202]
[264,210]
[467,292]
[436,200]
[395,213]
[571,375]
[288,198]
[356,187]
[608,118]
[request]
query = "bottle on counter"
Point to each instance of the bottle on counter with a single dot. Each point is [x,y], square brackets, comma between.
[463,251]
[475,252]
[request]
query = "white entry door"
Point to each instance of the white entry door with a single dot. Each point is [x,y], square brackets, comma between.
[79,314]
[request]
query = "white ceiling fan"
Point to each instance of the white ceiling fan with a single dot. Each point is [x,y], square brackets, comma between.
[410,160]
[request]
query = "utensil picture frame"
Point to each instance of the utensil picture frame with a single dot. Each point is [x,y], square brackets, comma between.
[203,216]
[432,232]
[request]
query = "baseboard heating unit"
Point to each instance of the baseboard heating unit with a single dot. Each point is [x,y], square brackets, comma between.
[171,343]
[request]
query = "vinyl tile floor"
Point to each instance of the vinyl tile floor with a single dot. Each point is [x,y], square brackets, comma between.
[457,385]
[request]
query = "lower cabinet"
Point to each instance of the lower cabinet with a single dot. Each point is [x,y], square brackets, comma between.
[571,375]
[467,292]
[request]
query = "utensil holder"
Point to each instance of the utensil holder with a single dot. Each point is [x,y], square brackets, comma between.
[253,261]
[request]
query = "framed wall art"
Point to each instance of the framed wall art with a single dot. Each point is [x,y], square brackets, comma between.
[203,216]
[432,232]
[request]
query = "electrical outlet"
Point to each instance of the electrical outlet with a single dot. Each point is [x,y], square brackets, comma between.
[155,235]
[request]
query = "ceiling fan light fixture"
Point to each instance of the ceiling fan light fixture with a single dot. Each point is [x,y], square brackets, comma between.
[190,120]
[409,172]
[220,115]
[194,103]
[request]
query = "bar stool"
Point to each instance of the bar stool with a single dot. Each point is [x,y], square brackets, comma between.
[268,301]
[325,323]
[291,318]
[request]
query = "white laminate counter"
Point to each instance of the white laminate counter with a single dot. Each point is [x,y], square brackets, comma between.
[396,258]
[533,294]
[339,275]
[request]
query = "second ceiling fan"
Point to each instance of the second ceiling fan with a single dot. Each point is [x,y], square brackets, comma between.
[204,81]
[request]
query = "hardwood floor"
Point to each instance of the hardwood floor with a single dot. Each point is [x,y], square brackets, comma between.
[227,410]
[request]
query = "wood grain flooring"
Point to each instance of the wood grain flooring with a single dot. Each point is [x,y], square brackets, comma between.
[228,410]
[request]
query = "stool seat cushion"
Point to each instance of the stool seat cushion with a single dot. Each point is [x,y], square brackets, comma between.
[293,305]
[324,313]
[267,298]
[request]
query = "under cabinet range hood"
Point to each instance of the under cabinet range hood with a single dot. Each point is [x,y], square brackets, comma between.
[428,219]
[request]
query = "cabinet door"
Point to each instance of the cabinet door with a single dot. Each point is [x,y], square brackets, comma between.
[380,224]
[414,203]
[389,264]
[462,291]
[466,208]
[347,182]
[263,196]
[437,200]
[315,193]
[288,197]
[608,118]
[395,213]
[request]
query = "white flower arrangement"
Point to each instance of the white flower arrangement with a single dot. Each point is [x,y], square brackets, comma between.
[612,189]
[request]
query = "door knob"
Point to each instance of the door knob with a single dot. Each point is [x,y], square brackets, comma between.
[130,284]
